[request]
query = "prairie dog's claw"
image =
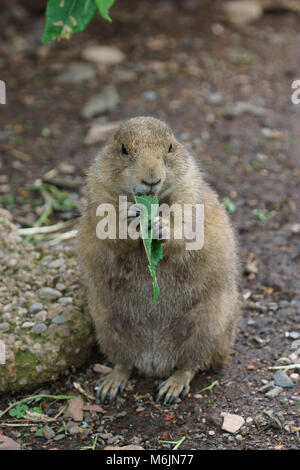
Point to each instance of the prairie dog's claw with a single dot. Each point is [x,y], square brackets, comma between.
[110,385]
[160,228]
[177,384]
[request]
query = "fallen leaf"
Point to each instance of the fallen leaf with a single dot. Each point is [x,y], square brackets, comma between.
[75,409]
[96,408]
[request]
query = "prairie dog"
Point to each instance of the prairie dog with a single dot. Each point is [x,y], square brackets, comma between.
[193,324]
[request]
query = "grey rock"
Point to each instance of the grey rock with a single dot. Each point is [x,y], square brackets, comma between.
[242,12]
[28,324]
[283,303]
[294,335]
[49,293]
[65,300]
[41,316]
[99,132]
[7,316]
[39,328]
[59,437]
[57,263]
[59,320]
[125,75]
[242,107]
[265,388]
[18,45]
[4,326]
[213,98]
[35,308]
[150,95]
[105,101]
[60,286]
[6,443]
[48,432]
[77,73]
[106,55]
[274,392]
[45,261]
[282,380]
[106,435]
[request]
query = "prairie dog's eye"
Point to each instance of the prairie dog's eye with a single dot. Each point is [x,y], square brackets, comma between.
[124,151]
[170,148]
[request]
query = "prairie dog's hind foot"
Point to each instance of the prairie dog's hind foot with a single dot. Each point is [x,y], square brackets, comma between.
[177,384]
[111,384]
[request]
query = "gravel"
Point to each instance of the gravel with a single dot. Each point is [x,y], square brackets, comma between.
[42,339]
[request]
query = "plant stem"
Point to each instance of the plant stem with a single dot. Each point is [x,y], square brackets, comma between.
[33,397]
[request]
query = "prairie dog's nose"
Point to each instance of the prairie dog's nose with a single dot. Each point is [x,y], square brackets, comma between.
[148,183]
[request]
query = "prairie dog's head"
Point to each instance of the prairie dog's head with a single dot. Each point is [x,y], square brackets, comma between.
[142,157]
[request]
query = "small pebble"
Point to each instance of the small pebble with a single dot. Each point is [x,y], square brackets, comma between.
[274,392]
[60,286]
[232,423]
[39,328]
[59,437]
[59,320]
[48,432]
[35,308]
[41,316]
[149,95]
[56,264]
[265,388]
[282,380]
[49,293]
[28,324]
[4,326]
[65,300]
[6,316]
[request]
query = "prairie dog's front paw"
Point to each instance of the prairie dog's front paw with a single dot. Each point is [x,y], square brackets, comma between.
[130,213]
[160,228]
[134,211]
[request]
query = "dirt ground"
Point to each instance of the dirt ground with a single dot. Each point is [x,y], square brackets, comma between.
[197,68]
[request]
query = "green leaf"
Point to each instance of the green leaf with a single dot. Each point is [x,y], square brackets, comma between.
[152,247]
[18,411]
[37,410]
[261,214]
[229,205]
[103,7]
[66,17]
[40,432]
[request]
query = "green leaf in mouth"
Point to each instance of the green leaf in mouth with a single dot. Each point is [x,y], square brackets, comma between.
[152,246]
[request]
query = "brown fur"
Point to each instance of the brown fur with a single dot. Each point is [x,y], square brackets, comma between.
[193,324]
